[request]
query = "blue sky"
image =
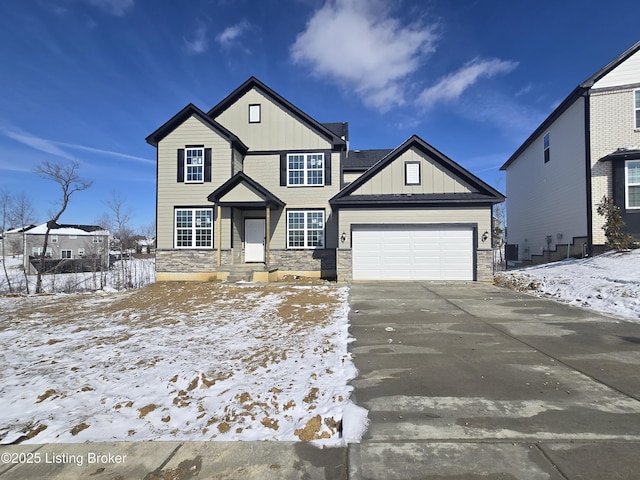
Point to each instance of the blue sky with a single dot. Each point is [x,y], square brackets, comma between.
[88,80]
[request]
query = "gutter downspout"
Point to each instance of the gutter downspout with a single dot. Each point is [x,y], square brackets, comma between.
[587,145]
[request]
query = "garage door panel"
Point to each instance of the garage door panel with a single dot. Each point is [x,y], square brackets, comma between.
[412,252]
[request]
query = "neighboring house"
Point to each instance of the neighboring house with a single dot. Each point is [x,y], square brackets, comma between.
[66,242]
[13,241]
[255,180]
[588,148]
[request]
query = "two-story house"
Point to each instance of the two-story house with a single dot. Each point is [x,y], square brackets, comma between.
[588,148]
[255,180]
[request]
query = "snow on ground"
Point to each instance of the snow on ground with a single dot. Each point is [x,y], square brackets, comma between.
[608,283]
[178,361]
[133,273]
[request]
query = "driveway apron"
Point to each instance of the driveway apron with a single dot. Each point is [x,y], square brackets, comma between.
[472,381]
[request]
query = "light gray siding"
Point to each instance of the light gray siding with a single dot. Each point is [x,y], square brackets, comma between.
[265,169]
[478,215]
[172,193]
[627,73]
[434,178]
[277,129]
[549,198]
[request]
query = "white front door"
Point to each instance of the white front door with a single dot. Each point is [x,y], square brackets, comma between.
[254,237]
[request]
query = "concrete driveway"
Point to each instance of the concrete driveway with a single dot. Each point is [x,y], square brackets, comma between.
[471,381]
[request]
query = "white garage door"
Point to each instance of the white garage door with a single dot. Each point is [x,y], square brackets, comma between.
[412,252]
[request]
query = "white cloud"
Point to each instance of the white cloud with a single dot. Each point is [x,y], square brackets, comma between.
[56,148]
[198,44]
[115,7]
[231,34]
[358,44]
[452,86]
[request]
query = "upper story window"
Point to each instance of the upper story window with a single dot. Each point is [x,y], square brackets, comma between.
[636,105]
[254,113]
[305,169]
[54,239]
[194,227]
[546,148]
[66,254]
[412,173]
[632,183]
[194,165]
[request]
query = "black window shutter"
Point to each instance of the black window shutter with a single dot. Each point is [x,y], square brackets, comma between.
[207,164]
[283,169]
[181,165]
[327,168]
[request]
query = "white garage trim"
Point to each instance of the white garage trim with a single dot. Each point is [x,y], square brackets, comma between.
[413,252]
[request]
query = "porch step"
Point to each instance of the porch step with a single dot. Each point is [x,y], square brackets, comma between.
[244,273]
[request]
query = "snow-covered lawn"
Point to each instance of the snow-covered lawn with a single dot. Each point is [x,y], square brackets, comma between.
[180,361]
[608,283]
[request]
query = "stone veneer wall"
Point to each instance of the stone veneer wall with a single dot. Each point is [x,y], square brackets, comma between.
[318,260]
[484,265]
[190,261]
[344,261]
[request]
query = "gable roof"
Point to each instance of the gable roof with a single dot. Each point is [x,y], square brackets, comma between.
[578,92]
[485,193]
[67,229]
[361,160]
[180,117]
[241,177]
[253,82]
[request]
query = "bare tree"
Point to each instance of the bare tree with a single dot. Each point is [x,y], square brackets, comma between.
[121,217]
[5,209]
[22,215]
[65,175]
[149,232]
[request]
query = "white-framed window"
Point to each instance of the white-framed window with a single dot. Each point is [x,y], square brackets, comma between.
[194,227]
[412,173]
[81,252]
[66,254]
[305,169]
[305,228]
[632,183]
[546,148]
[53,238]
[37,251]
[194,165]
[98,239]
[636,109]
[254,113]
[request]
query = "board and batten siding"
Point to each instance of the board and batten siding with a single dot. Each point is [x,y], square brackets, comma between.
[433,178]
[172,193]
[265,169]
[549,198]
[277,129]
[434,215]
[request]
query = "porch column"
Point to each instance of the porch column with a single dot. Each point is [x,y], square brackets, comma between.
[219,223]
[267,235]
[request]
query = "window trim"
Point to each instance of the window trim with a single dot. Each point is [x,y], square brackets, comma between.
[305,169]
[54,238]
[546,147]
[81,252]
[193,228]
[66,250]
[200,165]
[636,109]
[306,229]
[255,114]
[406,173]
[627,184]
